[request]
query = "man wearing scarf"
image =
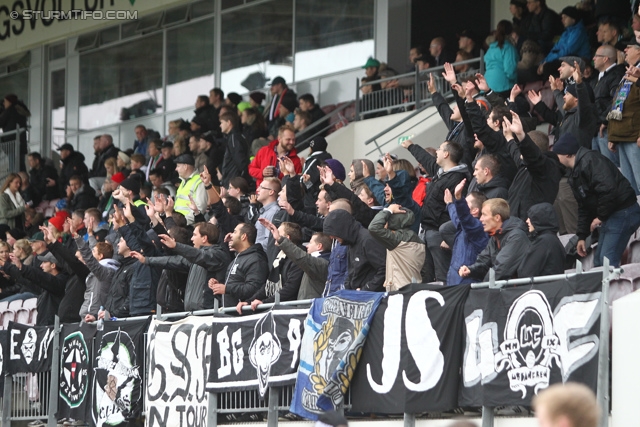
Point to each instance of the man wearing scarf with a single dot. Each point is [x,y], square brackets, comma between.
[624,131]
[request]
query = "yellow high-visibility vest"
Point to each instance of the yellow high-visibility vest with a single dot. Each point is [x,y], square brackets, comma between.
[186,188]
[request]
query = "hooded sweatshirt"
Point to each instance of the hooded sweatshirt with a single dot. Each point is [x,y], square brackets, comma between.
[546,254]
[246,274]
[95,296]
[405,250]
[367,257]
[506,249]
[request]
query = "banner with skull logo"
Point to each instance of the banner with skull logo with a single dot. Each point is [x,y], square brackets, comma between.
[521,340]
[29,348]
[76,347]
[118,370]
[255,351]
[336,329]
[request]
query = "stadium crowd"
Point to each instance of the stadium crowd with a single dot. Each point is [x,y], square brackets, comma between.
[224,207]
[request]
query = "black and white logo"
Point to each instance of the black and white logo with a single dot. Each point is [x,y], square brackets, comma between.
[265,350]
[116,380]
[74,381]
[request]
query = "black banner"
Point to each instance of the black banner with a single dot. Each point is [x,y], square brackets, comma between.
[76,347]
[29,348]
[179,355]
[118,370]
[411,359]
[4,335]
[521,340]
[255,351]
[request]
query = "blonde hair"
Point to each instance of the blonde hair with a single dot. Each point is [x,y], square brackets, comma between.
[498,206]
[572,400]
[111,163]
[24,245]
[9,180]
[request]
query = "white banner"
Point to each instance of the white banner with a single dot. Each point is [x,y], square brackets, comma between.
[179,355]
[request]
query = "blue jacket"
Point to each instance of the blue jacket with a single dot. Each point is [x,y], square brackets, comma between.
[470,241]
[574,41]
[501,66]
[338,269]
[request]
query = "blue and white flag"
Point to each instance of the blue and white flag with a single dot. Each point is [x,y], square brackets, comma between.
[335,332]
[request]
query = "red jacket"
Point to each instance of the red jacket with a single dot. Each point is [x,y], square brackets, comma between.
[266,156]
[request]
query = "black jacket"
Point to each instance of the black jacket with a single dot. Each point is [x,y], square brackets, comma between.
[494,141]
[542,28]
[504,253]
[236,157]
[38,178]
[599,188]
[69,311]
[581,121]
[285,277]
[53,290]
[72,165]
[10,118]
[546,254]
[604,90]
[98,168]
[312,186]
[246,274]
[84,199]
[209,116]
[538,177]
[367,257]
[202,264]
[498,187]
[168,169]
[143,285]
[434,209]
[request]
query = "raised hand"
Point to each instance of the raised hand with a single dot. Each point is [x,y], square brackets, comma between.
[449,73]
[138,256]
[515,91]
[72,228]
[457,192]
[48,235]
[15,261]
[271,227]
[193,206]
[286,164]
[388,166]
[205,176]
[169,208]
[127,211]
[459,90]
[431,84]
[515,125]
[396,208]
[168,241]
[406,144]
[534,97]
[482,83]
[159,204]
[577,73]
[448,198]
[150,209]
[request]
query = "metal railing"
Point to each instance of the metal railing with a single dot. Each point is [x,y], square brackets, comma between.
[10,151]
[278,399]
[322,125]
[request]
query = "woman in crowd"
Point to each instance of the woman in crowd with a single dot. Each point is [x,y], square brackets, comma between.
[111,165]
[501,61]
[12,205]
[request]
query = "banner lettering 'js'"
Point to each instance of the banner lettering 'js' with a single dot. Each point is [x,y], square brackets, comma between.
[413,352]
[179,355]
[255,351]
[521,340]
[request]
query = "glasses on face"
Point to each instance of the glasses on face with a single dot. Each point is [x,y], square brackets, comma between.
[598,56]
[264,188]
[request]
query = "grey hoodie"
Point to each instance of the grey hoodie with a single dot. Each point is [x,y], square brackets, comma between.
[95,296]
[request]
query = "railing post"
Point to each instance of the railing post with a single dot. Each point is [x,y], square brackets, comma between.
[603,359]
[274,402]
[212,410]
[416,90]
[409,420]
[54,382]
[7,400]
[357,99]
[487,416]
